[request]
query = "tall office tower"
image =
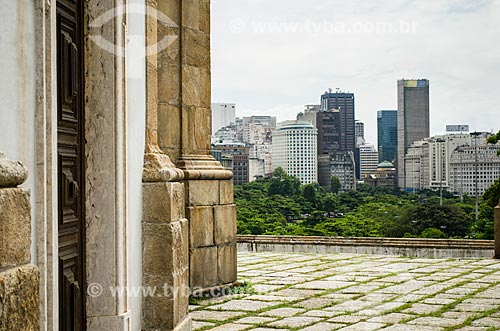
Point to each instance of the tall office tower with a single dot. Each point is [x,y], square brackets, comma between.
[387,127]
[295,150]
[223,114]
[368,159]
[344,102]
[413,118]
[328,125]
[359,132]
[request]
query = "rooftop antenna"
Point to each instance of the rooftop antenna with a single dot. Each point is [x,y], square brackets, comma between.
[337,89]
[329,90]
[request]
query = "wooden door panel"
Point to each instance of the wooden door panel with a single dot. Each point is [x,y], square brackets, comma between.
[70,156]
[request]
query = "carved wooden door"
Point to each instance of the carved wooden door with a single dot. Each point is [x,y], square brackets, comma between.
[70,158]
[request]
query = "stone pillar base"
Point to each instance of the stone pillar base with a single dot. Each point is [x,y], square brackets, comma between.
[19,298]
[186,325]
[212,222]
[497,232]
[165,257]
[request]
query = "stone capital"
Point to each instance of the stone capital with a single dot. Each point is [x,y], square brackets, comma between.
[202,167]
[12,173]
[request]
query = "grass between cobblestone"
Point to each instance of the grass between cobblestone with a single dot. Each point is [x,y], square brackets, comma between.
[324,263]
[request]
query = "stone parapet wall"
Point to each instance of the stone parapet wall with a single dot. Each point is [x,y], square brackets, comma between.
[19,280]
[424,248]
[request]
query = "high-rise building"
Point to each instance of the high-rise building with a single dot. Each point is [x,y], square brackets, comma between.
[387,127]
[368,159]
[223,114]
[344,102]
[359,133]
[294,149]
[328,125]
[413,118]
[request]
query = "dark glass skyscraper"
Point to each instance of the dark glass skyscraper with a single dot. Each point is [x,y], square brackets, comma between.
[387,127]
[345,103]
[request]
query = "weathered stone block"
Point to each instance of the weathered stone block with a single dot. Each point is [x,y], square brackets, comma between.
[227,264]
[158,313]
[203,262]
[169,75]
[196,48]
[163,201]
[157,243]
[165,269]
[170,8]
[15,226]
[201,226]
[206,93]
[19,299]
[191,83]
[226,192]
[165,249]
[225,224]
[205,15]
[169,137]
[196,131]
[202,192]
[191,14]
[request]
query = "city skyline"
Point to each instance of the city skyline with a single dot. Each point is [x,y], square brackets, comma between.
[270,74]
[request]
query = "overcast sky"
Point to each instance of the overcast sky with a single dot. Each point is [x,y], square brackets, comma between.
[271,57]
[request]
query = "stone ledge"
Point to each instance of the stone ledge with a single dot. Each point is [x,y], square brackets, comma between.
[435,248]
[19,299]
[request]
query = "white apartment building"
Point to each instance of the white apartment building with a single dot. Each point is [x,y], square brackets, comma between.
[257,133]
[368,159]
[413,158]
[223,114]
[449,162]
[294,149]
[470,165]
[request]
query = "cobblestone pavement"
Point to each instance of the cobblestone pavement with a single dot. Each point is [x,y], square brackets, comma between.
[323,292]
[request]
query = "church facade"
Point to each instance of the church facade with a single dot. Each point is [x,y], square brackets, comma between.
[112,210]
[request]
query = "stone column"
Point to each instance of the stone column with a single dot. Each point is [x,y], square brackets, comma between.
[165,265]
[184,125]
[497,231]
[19,280]
[209,188]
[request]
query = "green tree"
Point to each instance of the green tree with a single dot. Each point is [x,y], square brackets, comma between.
[335,185]
[492,195]
[494,139]
[283,184]
[433,233]
[450,219]
[310,193]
